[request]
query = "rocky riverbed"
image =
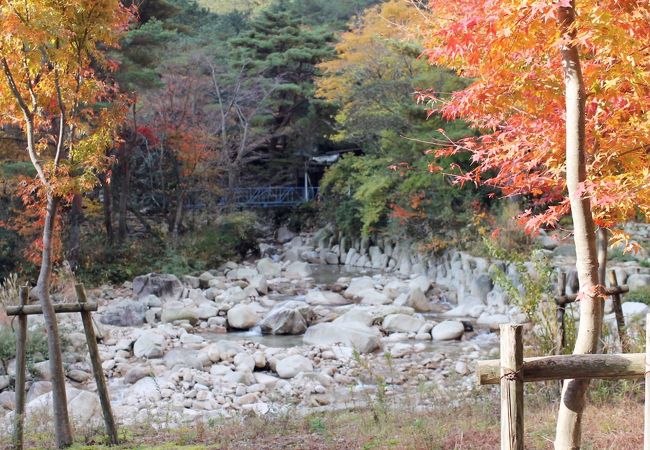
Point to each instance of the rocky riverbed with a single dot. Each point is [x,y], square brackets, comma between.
[277,333]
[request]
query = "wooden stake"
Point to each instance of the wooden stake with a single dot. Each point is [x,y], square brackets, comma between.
[618,312]
[512,387]
[646,406]
[98,371]
[21,343]
[561,307]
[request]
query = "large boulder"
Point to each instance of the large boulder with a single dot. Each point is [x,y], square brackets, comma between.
[635,310]
[401,323]
[291,366]
[325,298]
[150,344]
[242,317]
[416,299]
[83,406]
[182,357]
[374,297]
[125,313]
[638,281]
[284,234]
[174,314]
[358,285]
[287,318]
[298,270]
[447,330]
[421,282]
[163,285]
[363,339]
[268,268]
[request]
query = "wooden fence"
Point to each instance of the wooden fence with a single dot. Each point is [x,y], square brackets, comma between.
[513,370]
[84,307]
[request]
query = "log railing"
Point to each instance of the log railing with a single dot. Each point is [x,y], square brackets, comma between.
[512,371]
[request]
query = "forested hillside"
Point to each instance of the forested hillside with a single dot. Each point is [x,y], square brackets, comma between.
[226,95]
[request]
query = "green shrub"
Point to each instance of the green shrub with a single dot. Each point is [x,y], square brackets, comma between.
[35,351]
[641,295]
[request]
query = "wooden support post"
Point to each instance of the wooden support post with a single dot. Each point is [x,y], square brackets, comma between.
[21,343]
[646,406]
[618,312]
[512,388]
[98,371]
[561,308]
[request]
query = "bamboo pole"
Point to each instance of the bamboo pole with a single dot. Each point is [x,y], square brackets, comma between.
[58,308]
[618,312]
[512,388]
[21,343]
[646,406]
[98,371]
[560,367]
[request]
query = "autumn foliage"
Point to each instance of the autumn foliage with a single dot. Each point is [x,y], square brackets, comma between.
[511,51]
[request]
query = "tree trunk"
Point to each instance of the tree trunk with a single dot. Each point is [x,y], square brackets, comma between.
[178,216]
[125,188]
[74,232]
[108,209]
[568,432]
[59,398]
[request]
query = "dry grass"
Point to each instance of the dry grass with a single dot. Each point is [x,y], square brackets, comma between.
[616,424]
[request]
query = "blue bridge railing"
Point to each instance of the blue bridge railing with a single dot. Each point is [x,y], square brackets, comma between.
[267,197]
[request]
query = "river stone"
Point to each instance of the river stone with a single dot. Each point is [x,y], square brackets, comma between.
[356,315]
[284,320]
[182,357]
[136,373]
[41,370]
[242,273]
[358,285]
[204,280]
[242,317]
[401,323]
[416,299]
[447,330]
[298,270]
[83,405]
[638,281]
[291,366]
[493,320]
[191,281]
[38,388]
[164,285]
[8,400]
[150,344]
[363,339]
[421,282]
[268,268]
[373,297]
[126,313]
[258,282]
[284,234]
[173,314]
[634,309]
[326,298]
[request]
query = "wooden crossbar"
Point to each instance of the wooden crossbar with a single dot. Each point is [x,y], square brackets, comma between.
[59,308]
[560,367]
[614,290]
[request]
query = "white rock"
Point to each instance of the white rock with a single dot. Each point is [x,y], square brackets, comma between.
[447,330]
[291,366]
[242,317]
[358,285]
[327,298]
[298,270]
[363,339]
[401,323]
[150,344]
[634,309]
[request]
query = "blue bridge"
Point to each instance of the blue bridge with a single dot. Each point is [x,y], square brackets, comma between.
[268,197]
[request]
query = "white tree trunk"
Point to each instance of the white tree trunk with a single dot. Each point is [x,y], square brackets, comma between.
[568,432]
